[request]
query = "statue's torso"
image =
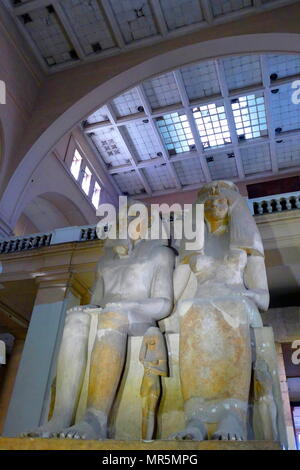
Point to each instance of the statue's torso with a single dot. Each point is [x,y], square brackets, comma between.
[220,269]
[129,278]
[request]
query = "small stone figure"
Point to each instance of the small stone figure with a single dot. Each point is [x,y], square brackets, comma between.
[264,397]
[153,356]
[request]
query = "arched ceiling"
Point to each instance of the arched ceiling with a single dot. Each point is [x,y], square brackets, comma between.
[232,118]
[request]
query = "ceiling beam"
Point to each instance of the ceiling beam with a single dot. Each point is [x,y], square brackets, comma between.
[207,11]
[66,24]
[148,111]
[230,117]
[113,118]
[267,97]
[186,103]
[159,16]
[113,23]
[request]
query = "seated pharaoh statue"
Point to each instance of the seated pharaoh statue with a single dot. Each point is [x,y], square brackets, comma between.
[133,290]
[207,368]
[220,290]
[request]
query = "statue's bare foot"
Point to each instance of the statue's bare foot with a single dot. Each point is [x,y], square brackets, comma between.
[47,431]
[90,428]
[194,431]
[230,429]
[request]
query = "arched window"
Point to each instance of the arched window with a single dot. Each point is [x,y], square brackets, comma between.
[76,164]
[96,195]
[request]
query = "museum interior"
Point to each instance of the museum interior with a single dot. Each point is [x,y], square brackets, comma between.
[165,102]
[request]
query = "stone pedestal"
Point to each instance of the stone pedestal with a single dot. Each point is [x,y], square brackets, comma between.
[74,444]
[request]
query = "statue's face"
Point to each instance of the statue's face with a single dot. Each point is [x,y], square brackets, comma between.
[216,208]
[151,342]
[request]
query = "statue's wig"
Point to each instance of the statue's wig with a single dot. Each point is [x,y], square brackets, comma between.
[244,233]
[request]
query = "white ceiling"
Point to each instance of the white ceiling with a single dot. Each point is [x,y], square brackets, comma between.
[229,118]
[64,33]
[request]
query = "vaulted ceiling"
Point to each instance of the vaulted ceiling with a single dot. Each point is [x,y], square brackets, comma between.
[63,33]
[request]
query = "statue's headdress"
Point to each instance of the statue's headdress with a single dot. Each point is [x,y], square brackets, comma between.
[244,233]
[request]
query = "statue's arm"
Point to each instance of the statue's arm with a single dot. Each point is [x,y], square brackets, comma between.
[255,279]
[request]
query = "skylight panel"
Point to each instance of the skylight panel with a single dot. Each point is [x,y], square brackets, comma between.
[176,133]
[223,7]
[127,103]
[288,152]
[134,18]
[89,25]
[200,80]
[142,141]
[256,159]
[162,91]
[242,71]
[98,116]
[180,13]
[48,35]
[212,125]
[250,116]
[222,166]
[159,177]
[285,113]
[283,65]
[111,147]
[189,171]
[129,182]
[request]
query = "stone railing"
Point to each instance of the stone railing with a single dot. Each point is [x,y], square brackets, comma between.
[39,240]
[29,242]
[275,203]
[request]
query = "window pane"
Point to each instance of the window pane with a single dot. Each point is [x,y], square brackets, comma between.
[86,181]
[96,195]
[76,163]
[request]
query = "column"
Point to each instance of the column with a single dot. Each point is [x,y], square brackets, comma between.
[9,379]
[31,395]
[286,399]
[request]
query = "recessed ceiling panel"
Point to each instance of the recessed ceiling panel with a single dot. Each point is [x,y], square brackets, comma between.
[129,182]
[142,141]
[127,103]
[98,116]
[180,13]
[48,35]
[111,146]
[256,158]
[134,19]
[189,171]
[162,91]
[283,65]
[158,177]
[288,152]
[285,113]
[89,25]
[200,80]
[223,7]
[242,71]
[222,166]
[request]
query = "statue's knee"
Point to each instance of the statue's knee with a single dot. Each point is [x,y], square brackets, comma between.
[77,321]
[114,321]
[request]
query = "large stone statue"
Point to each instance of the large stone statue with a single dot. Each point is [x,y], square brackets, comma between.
[230,287]
[134,289]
